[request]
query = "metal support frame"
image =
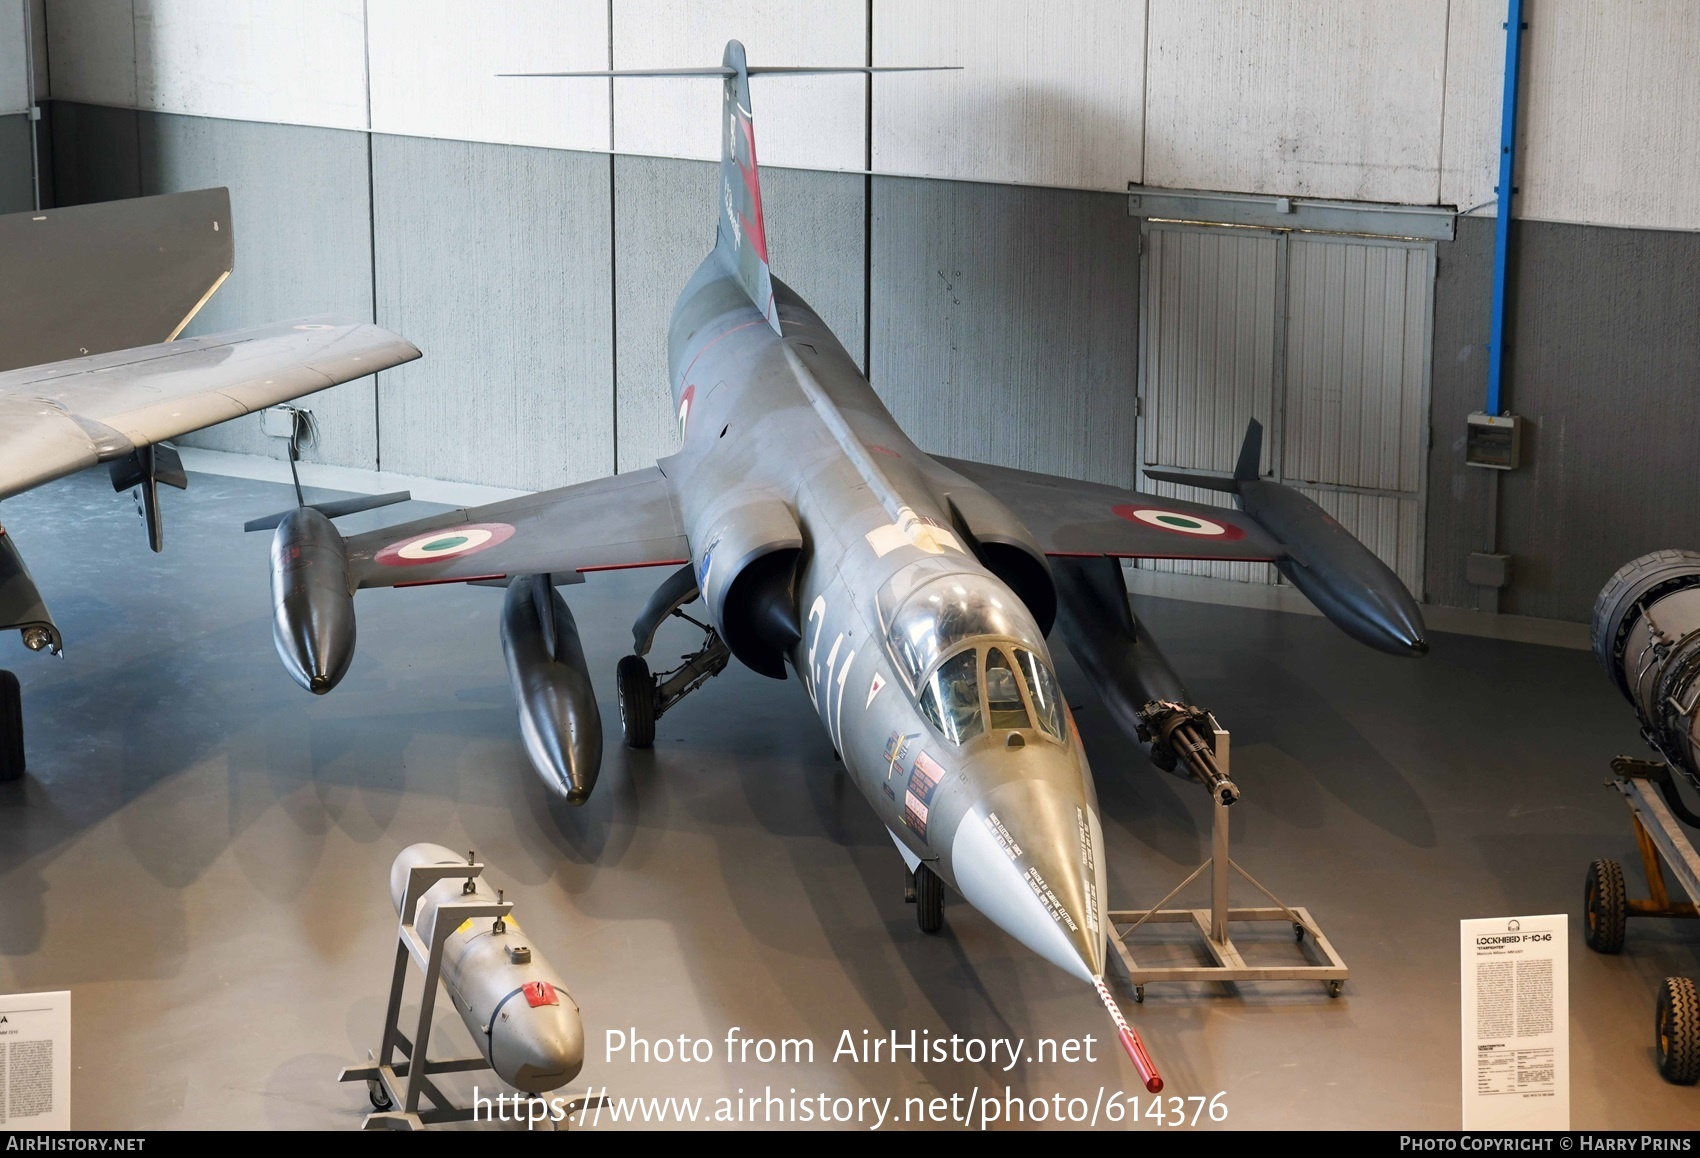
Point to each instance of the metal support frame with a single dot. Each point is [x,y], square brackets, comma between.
[1212,923]
[403,1083]
[1661,840]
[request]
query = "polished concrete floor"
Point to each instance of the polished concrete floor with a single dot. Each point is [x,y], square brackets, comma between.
[200,853]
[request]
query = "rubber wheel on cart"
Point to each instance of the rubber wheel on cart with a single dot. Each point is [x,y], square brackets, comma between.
[1605,907]
[637,701]
[378,1096]
[929,899]
[1676,1031]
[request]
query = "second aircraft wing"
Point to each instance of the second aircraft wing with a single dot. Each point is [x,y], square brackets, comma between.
[1069,517]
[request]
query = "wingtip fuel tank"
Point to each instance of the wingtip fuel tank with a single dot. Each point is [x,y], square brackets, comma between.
[558,716]
[514,1004]
[312,606]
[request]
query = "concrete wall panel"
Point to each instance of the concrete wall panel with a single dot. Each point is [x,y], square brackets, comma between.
[38,48]
[17,172]
[1049,94]
[1611,134]
[802,122]
[1475,94]
[303,246]
[1327,99]
[91,49]
[97,153]
[493,259]
[664,227]
[434,67]
[15,94]
[1005,323]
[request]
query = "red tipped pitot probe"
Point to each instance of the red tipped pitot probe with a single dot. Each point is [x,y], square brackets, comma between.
[1130,1040]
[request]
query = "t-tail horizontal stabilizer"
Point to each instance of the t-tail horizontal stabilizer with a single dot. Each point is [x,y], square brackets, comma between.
[742,235]
[1356,591]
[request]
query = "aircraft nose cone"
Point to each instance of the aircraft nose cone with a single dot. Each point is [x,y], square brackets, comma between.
[1029,855]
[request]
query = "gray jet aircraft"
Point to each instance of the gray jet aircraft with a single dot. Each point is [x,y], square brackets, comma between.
[92,370]
[911,594]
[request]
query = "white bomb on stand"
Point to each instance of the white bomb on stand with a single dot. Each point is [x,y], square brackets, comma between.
[514,1004]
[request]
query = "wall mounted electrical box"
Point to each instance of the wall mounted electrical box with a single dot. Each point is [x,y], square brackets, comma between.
[1494,441]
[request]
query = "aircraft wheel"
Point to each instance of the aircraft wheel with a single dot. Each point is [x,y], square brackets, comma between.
[637,701]
[11,728]
[1605,907]
[1676,1027]
[929,899]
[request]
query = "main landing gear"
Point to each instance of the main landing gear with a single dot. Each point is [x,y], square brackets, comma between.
[644,698]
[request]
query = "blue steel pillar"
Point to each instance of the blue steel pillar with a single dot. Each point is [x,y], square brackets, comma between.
[1507,189]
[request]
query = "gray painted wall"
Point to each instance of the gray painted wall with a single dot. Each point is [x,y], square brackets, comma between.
[1605,366]
[493,259]
[1005,323]
[17,167]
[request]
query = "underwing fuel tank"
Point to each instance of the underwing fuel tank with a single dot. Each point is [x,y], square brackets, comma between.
[312,606]
[514,1004]
[1355,590]
[558,716]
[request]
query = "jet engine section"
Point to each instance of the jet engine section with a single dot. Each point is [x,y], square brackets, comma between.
[1007,549]
[514,1004]
[312,605]
[1646,634]
[558,717]
[746,571]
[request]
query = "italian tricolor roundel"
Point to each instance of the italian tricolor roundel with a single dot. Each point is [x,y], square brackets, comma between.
[447,543]
[1180,523]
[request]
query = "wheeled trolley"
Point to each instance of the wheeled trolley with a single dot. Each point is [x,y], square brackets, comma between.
[1654,805]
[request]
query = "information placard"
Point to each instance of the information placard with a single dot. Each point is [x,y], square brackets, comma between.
[1515,984]
[35,1061]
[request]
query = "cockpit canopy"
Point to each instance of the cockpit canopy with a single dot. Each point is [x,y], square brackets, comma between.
[991,676]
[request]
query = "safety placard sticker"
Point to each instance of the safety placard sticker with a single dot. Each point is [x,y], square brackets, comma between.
[446,543]
[918,798]
[1178,522]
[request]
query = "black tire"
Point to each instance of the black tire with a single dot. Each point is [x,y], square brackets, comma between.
[1676,1031]
[637,701]
[11,728]
[929,899]
[1605,907]
[378,1096]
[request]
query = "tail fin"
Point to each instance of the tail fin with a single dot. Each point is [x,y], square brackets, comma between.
[742,236]
[1251,453]
[1245,470]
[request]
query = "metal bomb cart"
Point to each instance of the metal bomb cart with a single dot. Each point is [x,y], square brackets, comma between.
[514,1004]
[1646,633]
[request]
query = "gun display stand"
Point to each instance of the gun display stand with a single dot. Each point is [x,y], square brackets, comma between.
[404,1081]
[1212,923]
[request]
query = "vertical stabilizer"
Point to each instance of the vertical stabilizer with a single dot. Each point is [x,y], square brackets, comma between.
[742,238]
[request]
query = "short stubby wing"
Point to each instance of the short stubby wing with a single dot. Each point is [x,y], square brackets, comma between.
[608,524]
[1069,517]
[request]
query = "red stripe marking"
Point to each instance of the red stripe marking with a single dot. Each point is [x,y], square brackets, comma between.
[630,566]
[434,582]
[705,349]
[1177,558]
